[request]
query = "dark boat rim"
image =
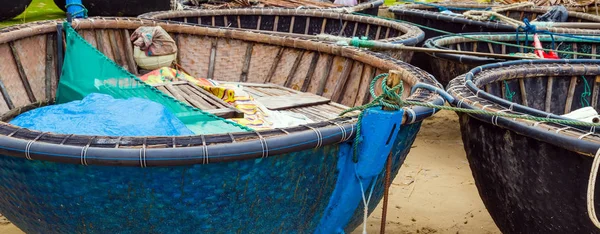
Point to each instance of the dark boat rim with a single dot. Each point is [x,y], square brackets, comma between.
[418,10]
[199,149]
[440,42]
[342,9]
[411,35]
[467,94]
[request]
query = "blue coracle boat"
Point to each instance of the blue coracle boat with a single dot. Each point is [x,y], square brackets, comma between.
[301,179]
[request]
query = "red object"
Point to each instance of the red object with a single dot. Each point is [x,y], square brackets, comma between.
[540,52]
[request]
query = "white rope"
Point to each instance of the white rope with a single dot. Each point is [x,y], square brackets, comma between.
[590,191]
[365,200]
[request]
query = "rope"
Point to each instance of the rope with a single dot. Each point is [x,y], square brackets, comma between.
[590,190]
[494,14]
[484,40]
[84,10]
[509,95]
[366,201]
[586,93]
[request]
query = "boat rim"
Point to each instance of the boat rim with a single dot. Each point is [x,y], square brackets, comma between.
[440,42]
[584,140]
[411,35]
[161,151]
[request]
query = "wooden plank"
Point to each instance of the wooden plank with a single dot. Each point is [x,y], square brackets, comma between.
[200,104]
[22,74]
[176,93]
[207,95]
[549,94]
[570,94]
[291,101]
[169,83]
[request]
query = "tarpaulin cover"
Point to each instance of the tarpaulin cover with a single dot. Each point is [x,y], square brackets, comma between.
[86,70]
[100,114]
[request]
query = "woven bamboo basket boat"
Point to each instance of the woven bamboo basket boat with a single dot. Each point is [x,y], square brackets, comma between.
[431,17]
[370,7]
[532,176]
[283,180]
[303,24]
[445,67]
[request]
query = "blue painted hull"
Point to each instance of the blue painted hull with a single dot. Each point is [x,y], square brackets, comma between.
[279,194]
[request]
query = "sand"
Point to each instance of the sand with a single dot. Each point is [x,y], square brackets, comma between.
[434,191]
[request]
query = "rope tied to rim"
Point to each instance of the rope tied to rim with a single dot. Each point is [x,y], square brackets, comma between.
[493,14]
[389,98]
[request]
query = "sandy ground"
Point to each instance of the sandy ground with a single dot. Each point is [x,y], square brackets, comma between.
[434,191]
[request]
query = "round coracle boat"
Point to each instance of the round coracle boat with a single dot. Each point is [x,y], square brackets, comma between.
[446,67]
[535,175]
[302,23]
[122,8]
[431,16]
[296,179]
[370,7]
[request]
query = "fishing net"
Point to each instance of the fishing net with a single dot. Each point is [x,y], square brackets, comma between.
[86,70]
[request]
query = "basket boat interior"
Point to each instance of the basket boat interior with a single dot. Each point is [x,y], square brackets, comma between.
[519,14]
[540,88]
[474,43]
[297,22]
[333,77]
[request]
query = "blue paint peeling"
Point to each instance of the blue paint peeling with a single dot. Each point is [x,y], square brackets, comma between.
[380,131]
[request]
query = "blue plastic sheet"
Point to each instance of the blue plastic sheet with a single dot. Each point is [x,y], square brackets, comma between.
[103,115]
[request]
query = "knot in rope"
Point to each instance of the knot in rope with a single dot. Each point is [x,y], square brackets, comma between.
[391,97]
[527,27]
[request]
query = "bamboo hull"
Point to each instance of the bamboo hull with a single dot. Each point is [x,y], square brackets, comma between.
[532,175]
[527,185]
[199,184]
[302,24]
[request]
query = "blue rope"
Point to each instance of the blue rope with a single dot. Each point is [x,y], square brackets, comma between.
[445,8]
[83,11]
[530,28]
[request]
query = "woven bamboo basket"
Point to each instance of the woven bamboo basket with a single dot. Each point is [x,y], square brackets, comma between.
[277,180]
[302,23]
[532,176]
[431,17]
[445,67]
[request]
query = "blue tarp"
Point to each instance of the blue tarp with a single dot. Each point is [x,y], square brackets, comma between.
[101,114]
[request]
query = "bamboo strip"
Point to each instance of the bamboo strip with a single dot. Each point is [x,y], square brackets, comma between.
[323,80]
[22,74]
[290,78]
[523,92]
[129,53]
[311,71]
[570,94]
[247,58]
[549,93]
[50,42]
[213,55]
[340,85]
[274,65]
